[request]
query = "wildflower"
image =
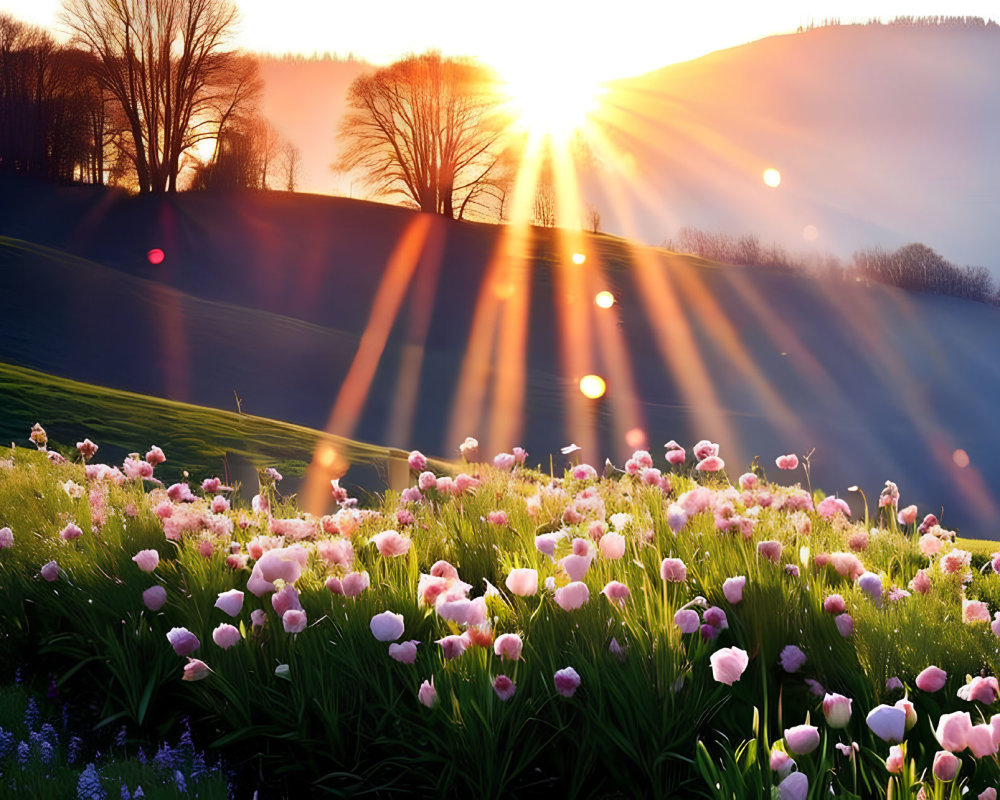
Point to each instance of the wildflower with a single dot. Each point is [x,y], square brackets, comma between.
[673,570]
[834,604]
[953,730]
[687,620]
[980,741]
[780,762]
[427,694]
[894,685]
[732,588]
[910,710]
[894,763]
[907,516]
[802,739]
[985,690]
[183,641]
[889,495]
[729,664]
[794,787]
[50,571]
[469,449]
[417,461]
[845,624]
[771,550]
[830,506]
[195,670]
[294,620]
[675,453]
[931,679]
[155,456]
[258,618]
[426,481]
[154,598]
[792,658]
[567,681]
[504,687]
[88,785]
[286,600]
[871,584]
[404,652]
[354,583]
[612,545]
[387,626]
[705,449]
[616,592]
[974,611]
[390,544]
[716,617]
[230,602]
[70,532]
[837,710]
[710,464]
[504,461]
[946,766]
[225,636]
[520,455]
[572,596]
[452,646]
[789,461]
[498,518]
[584,472]
[921,582]
[888,723]
[146,560]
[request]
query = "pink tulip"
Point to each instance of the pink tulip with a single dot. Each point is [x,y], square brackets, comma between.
[504,687]
[837,710]
[258,618]
[771,550]
[789,461]
[792,658]
[710,464]
[907,516]
[894,763]
[336,552]
[230,602]
[673,570]
[931,679]
[195,670]
[705,449]
[286,600]
[794,787]
[354,583]
[845,624]
[729,664]
[427,694]
[183,641]
[523,582]
[980,741]
[612,545]
[983,690]
[390,544]
[687,620]
[829,506]
[988,794]
[953,730]
[146,560]
[546,543]
[946,766]
[910,710]
[974,611]
[576,566]
[294,620]
[616,592]
[732,588]
[802,739]
[69,533]
[888,723]
[781,762]
[404,652]
[508,645]
[225,635]
[504,461]
[50,571]
[567,681]
[154,598]
[716,617]
[572,596]
[452,646]
[387,626]
[894,685]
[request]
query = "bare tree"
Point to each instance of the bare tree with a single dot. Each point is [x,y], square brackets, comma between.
[291,166]
[429,129]
[593,219]
[165,64]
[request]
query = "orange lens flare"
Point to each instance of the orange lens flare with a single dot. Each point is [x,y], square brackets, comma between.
[579,258]
[772,177]
[604,299]
[593,386]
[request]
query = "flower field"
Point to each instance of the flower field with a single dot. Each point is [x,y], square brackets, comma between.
[655,631]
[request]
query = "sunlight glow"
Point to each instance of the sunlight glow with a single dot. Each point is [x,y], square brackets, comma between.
[605,299]
[635,438]
[593,386]
[772,177]
[552,100]
[579,258]
[961,458]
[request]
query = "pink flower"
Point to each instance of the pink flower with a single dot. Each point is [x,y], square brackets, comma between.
[673,570]
[980,741]
[508,645]
[749,481]
[871,584]
[226,635]
[984,690]
[708,632]
[847,565]
[427,694]
[837,710]
[815,687]
[930,545]
[6,538]
[354,583]
[953,730]
[146,560]
[829,506]
[929,522]
[974,611]
[50,571]
[258,618]
[894,685]
[907,516]
[771,550]
[845,624]
[69,533]
[888,723]
[792,658]
[921,582]
[710,464]
[716,617]
[894,763]
[495,518]
[336,552]
[417,461]
[195,670]
[794,787]
[523,582]
[230,602]
[387,626]
[183,641]
[546,543]
[572,596]
[154,598]
[705,449]
[677,517]
[87,449]
[988,794]
[584,472]
[995,624]
[616,592]
[789,461]
[567,681]
[404,652]
[576,566]
[452,646]
[504,687]
[390,544]
[955,562]
[286,600]
[464,483]
[427,481]
[503,461]
[411,495]
[802,739]
[219,504]
[732,588]
[946,766]
[676,455]
[728,664]
[520,455]
[931,679]
[834,604]
[612,545]
[181,493]
[155,456]
[687,620]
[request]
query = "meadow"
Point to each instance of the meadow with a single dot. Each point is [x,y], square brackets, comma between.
[653,631]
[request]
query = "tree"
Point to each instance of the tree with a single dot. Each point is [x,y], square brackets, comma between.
[291,166]
[164,63]
[427,128]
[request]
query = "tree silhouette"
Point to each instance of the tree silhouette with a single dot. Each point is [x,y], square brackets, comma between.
[164,63]
[427,128]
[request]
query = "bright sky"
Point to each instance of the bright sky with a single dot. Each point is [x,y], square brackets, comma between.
[601,40]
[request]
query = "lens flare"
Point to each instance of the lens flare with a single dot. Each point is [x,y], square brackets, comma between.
[636,439]
[579,258]
[605,299]
[961,458]
[593,386]
[810,233]
[772,177]
[155,256]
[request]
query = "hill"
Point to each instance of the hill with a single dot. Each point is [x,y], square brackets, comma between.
[270,296]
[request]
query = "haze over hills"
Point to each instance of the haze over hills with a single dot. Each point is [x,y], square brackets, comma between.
[269,295]
[883,135]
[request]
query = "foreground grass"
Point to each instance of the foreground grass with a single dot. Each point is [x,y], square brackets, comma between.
[306,680]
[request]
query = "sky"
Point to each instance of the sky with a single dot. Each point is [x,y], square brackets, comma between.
[598,40]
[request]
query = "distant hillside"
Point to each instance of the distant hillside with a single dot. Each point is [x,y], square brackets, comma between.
[268,295]
[882,134]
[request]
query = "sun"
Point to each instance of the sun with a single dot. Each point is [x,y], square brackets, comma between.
[551,98]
